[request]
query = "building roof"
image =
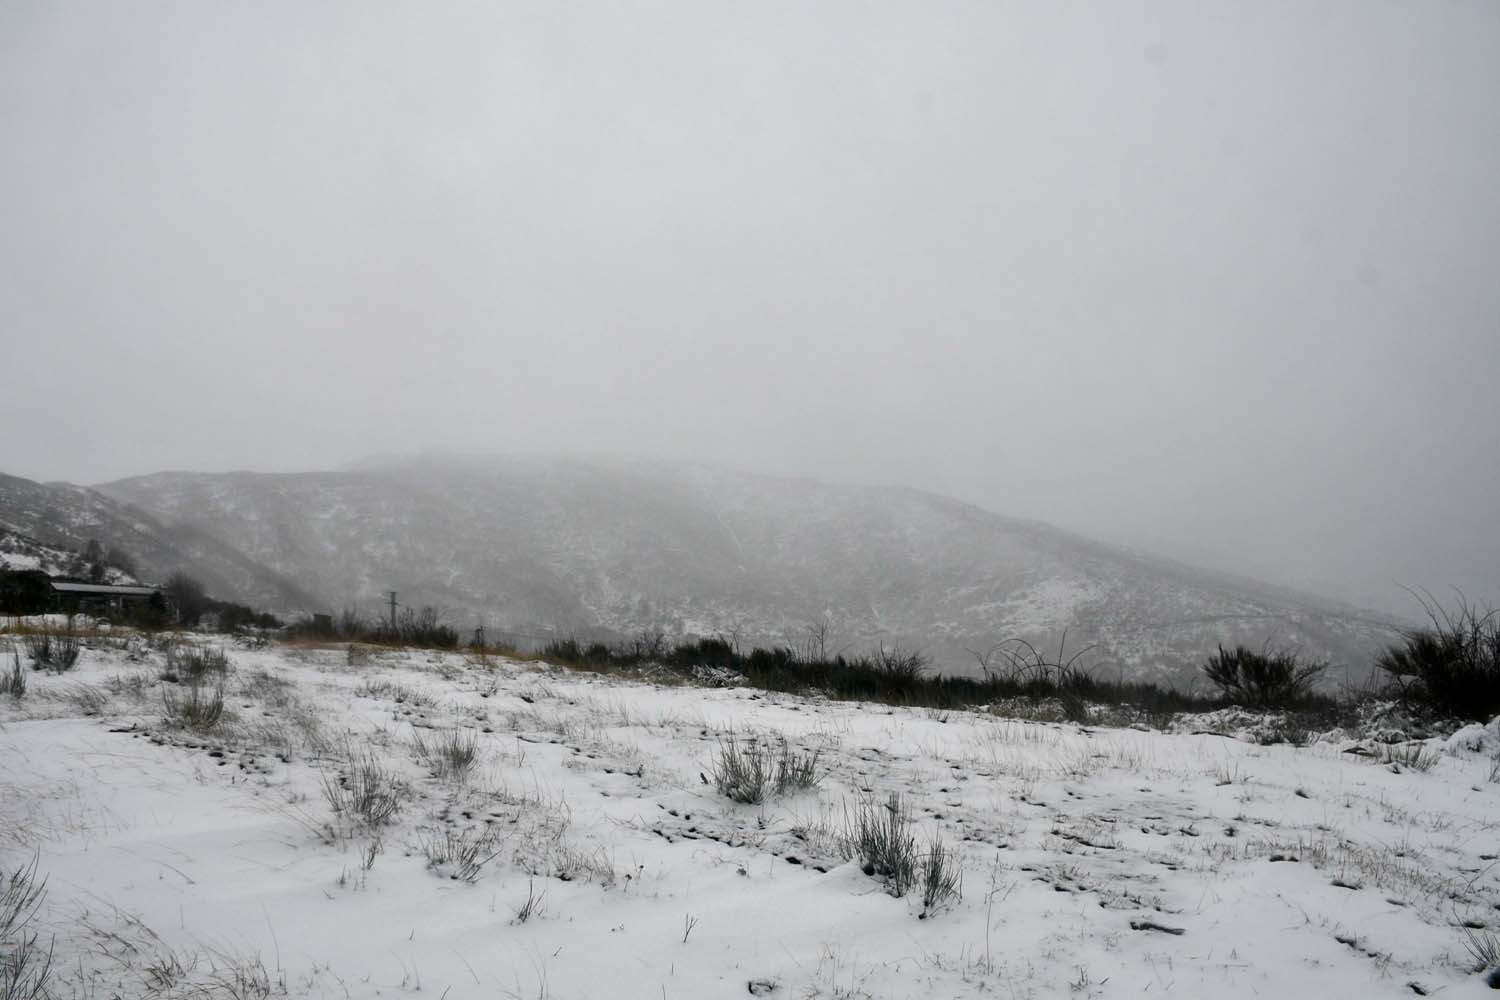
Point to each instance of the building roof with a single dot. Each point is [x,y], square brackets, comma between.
[103,589]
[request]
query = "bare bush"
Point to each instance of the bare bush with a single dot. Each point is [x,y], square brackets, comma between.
[900,668]
[1018,661]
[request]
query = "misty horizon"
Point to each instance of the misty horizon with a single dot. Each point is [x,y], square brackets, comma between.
[1210,282]
[1407,607]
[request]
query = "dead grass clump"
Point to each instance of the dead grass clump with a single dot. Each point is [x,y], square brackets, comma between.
[366,794]
[572,864]
[132,686]
[459,854]
[533,904]
[55,651]
[25,967]
[14,683]
[1408,756]
[401,694]
[194,663]
[89,701]
[21,893]
[450,755]
[751,772]
[268,688]
[243,979]
[201,708]
[1484,946]
[880,835]
[941,876]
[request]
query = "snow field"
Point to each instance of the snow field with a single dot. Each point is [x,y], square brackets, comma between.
[513,829]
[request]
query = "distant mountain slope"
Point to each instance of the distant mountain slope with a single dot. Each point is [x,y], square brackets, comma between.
[528,544]
[21,552]
[66,516]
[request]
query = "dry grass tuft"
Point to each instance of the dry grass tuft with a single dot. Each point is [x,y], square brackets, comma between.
[753,771]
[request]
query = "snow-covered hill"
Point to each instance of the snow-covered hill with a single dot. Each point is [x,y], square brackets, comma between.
[573,546]
[61,516]
[19,552]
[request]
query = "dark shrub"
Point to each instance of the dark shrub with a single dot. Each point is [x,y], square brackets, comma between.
[705,653]
[416,627]
[1263,680]
[902,671]
[25,592]
[151,614]
[235,617]
[1452,666]
[889,675]
[564,650]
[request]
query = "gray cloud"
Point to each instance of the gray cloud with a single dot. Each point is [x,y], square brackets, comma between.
[1216,280]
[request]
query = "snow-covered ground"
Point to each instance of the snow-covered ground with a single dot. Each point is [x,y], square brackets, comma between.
[1096,863]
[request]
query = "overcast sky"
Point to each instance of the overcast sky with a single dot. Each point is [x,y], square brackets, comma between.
[1218,280]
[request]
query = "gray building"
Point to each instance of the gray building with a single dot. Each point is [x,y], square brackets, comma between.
[97,597]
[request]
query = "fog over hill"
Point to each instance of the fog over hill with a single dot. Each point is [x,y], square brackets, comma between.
[61,514]
[614,547]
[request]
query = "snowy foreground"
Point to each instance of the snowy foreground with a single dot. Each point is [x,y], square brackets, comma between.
[1102,862]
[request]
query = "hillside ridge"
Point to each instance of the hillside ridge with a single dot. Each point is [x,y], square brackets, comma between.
[609,548]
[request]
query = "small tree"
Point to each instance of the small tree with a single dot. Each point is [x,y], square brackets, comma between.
[1263,680]
[117,558]
[93,554]
[187,595]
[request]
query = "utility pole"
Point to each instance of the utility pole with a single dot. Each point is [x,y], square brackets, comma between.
[393,612]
